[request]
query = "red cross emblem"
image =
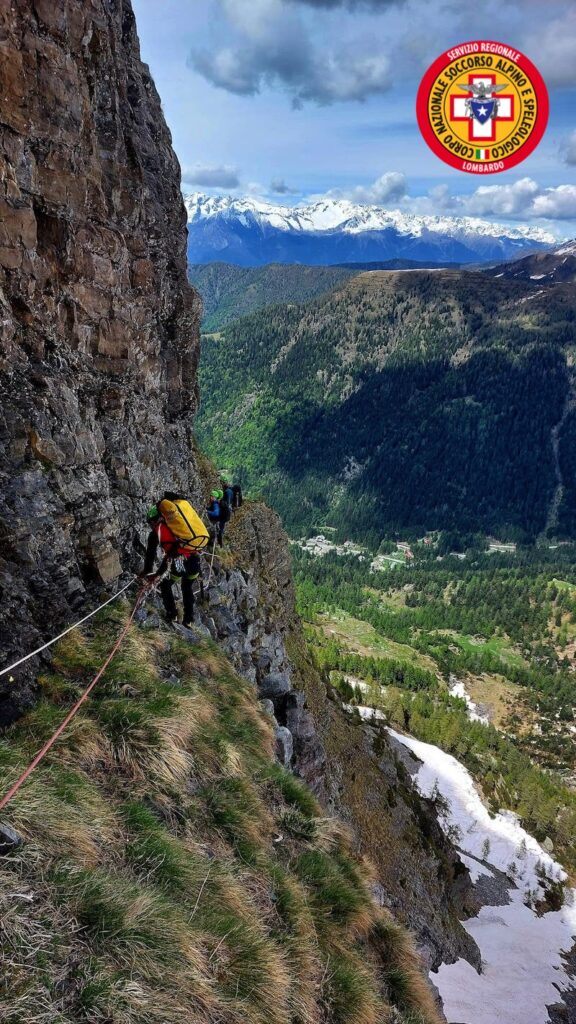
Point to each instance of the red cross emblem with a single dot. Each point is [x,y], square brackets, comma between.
[460,111]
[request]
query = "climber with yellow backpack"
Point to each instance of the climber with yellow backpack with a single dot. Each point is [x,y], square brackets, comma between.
[178,530]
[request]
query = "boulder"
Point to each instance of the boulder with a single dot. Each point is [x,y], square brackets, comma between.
[275,684]
[9,839]
[268,708]
[284,745]
[195,634]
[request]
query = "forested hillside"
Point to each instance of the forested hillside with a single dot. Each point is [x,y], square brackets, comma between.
[403,400]
[501,627]
[229,292]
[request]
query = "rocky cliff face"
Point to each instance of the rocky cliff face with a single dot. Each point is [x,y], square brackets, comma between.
[98,327]
[357,772]
[98,350]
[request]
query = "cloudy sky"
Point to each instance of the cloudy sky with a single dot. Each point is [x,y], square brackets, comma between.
[288,99]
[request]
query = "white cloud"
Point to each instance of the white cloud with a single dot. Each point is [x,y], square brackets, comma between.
[509,200]
[556,203]
[443,199]
[211,176]
[388,188]
[524,199]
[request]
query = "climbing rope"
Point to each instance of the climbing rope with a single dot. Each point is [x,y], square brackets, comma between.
[147,586]
[90,615]
[210,555]
[211,564]
[66,631]
[50,743]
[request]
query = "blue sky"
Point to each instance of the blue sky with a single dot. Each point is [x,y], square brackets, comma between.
[292,98]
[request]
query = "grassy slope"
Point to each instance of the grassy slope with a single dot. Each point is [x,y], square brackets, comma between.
[361,637]
[151,888]
[496,645]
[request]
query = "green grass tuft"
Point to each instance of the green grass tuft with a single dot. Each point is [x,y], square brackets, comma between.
[160,894]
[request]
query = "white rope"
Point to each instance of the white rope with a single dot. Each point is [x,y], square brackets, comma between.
[49,643]
[69,630]
[205,587]
[211,563]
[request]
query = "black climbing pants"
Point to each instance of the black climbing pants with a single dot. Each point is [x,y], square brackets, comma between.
[187,579]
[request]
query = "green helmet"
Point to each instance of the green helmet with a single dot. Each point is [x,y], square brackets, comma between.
[152,513]
[216,494]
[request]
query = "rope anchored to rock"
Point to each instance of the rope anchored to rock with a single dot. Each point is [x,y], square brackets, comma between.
[148,586]
[55,639]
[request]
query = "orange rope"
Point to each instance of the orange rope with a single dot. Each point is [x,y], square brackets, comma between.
[50,743]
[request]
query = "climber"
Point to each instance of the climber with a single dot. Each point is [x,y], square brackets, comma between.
[181,534]
[219,514]
[213,512]
[237,496]
[225,516]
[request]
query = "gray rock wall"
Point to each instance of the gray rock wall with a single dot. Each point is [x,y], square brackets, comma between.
[99,334]
[98,359]
[352,766]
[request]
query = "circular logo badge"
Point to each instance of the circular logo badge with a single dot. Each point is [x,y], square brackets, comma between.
[482,107]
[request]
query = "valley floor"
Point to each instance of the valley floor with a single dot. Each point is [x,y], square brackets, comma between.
[467,666]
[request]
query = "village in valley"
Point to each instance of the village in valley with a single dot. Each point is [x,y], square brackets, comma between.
[403,554]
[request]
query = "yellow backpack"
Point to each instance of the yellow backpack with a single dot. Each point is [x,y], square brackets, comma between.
[184,523]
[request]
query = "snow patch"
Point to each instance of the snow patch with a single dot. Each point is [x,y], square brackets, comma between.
[522,965]
[458,689]
[366,713]
[358,683]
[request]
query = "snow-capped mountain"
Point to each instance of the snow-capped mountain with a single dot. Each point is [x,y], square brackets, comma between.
[550,267]
[250,232]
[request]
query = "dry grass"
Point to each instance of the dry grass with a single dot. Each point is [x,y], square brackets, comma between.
[60,813]
[407,986]
[150,889]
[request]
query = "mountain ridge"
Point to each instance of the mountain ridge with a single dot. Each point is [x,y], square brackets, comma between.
[230,291]
[549,267]
[401,400]
[251,231]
